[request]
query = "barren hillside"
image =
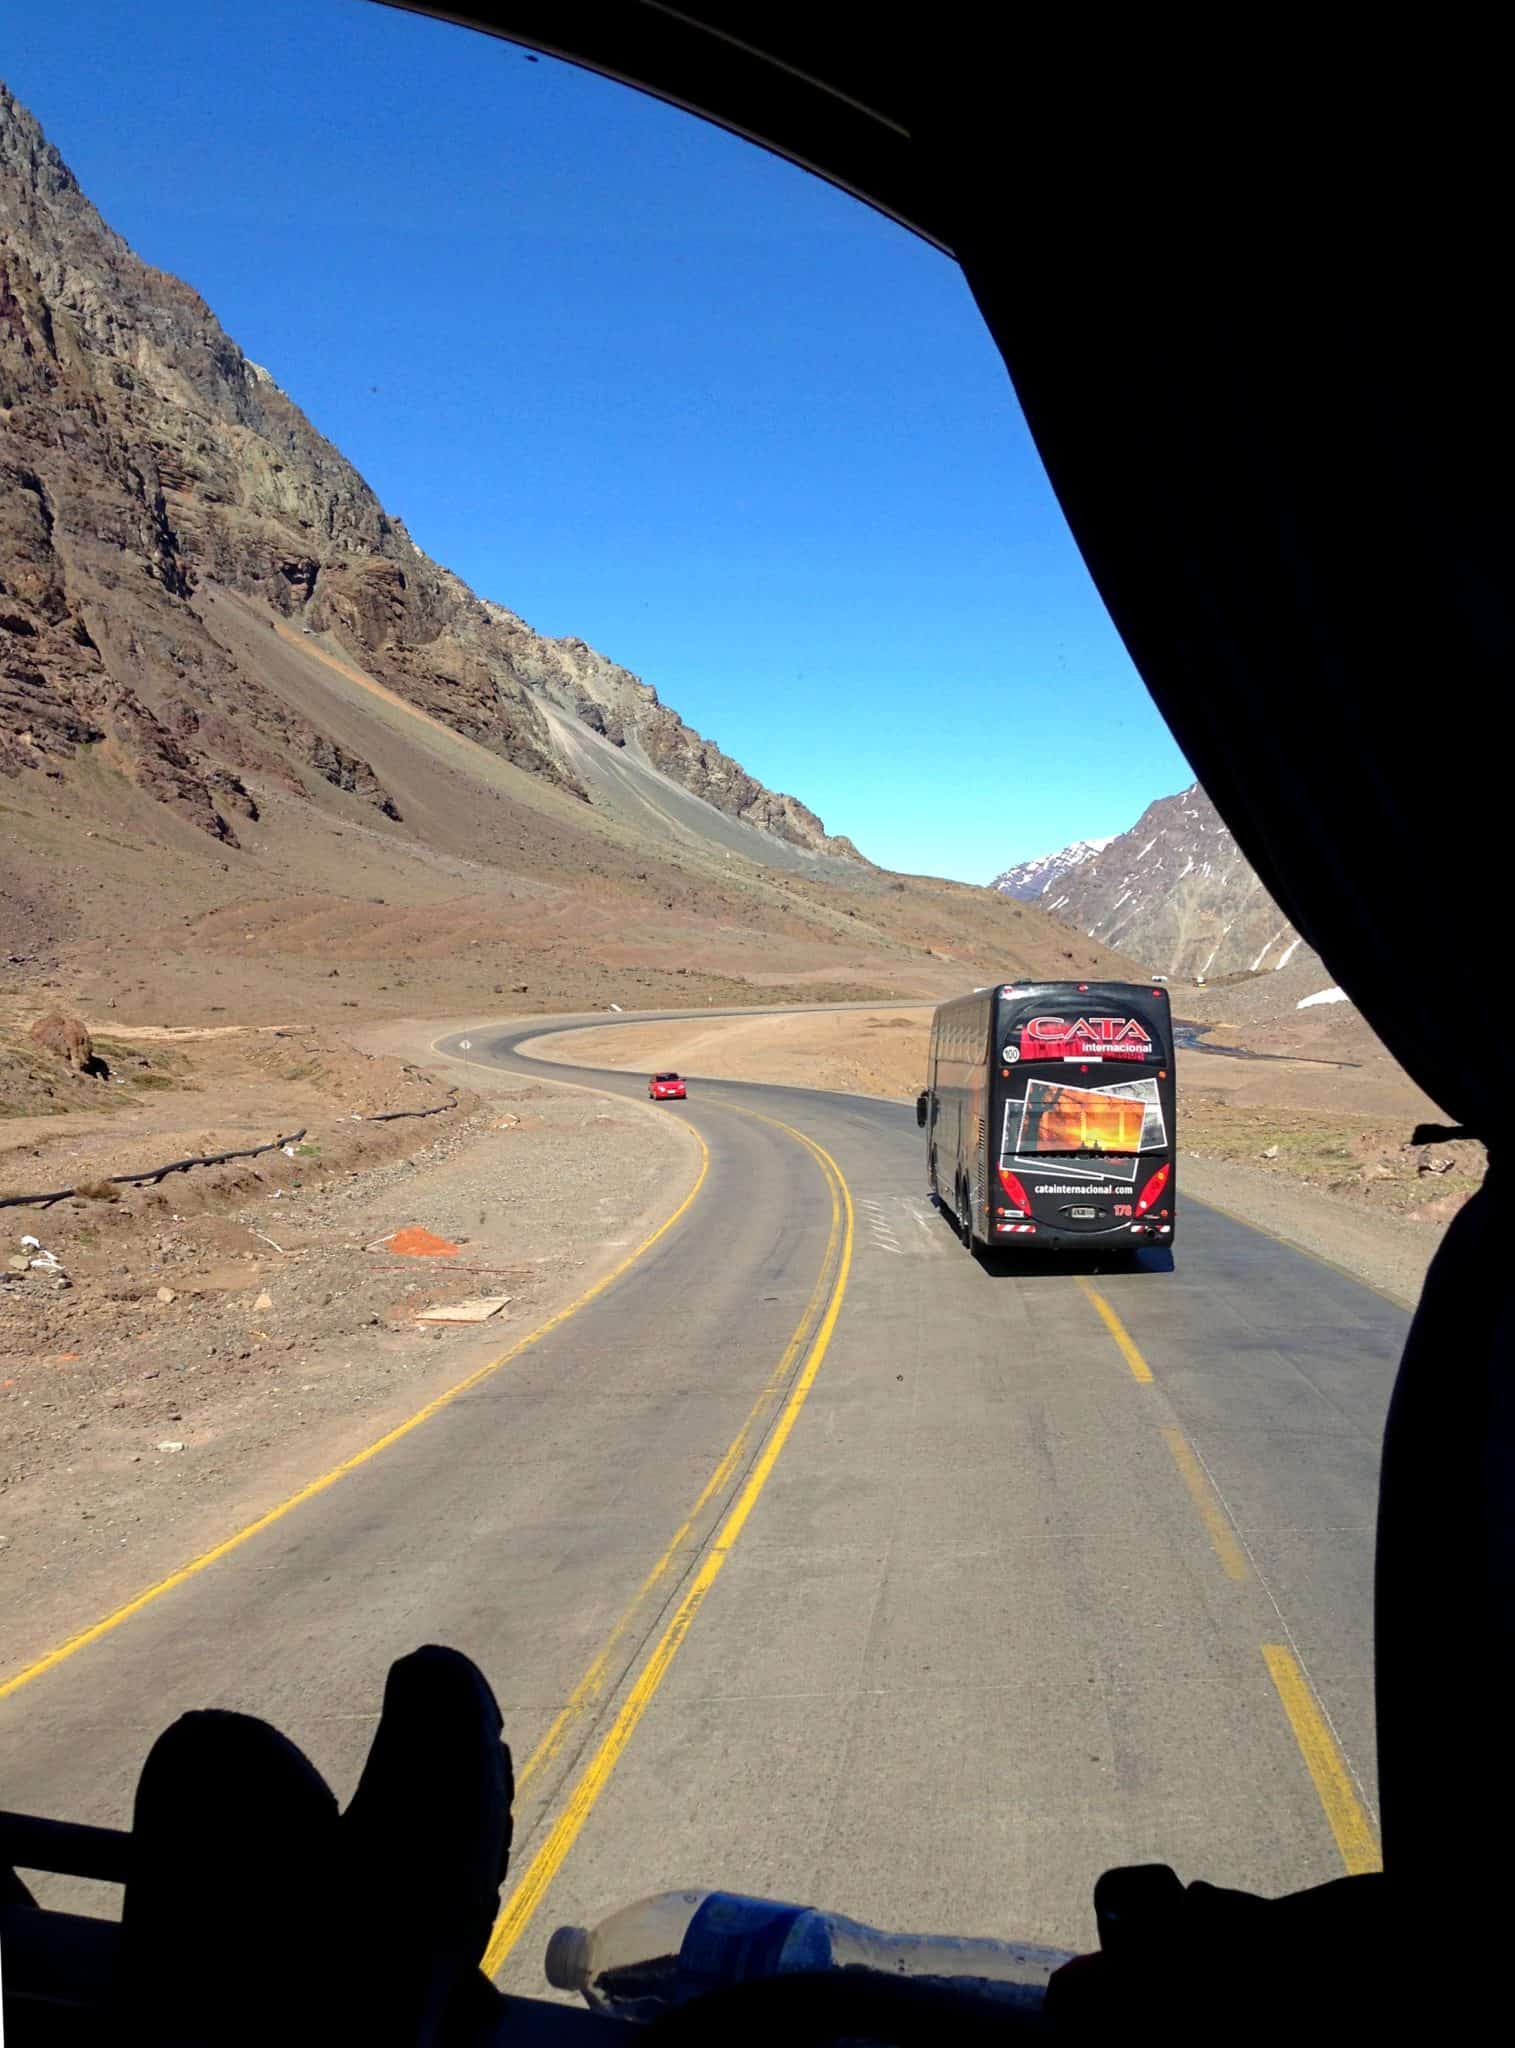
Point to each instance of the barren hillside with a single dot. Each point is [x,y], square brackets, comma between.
[259,755]
[1175,891]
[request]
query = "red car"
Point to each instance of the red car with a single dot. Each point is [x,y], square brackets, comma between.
[666,1088]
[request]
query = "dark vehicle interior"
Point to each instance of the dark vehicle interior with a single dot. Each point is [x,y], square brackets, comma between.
[1247,287]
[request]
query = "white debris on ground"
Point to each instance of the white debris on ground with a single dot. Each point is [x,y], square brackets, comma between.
[34,1257]
[1325,995]
[478,1308]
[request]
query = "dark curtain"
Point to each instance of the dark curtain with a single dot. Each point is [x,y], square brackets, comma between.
[1262,347]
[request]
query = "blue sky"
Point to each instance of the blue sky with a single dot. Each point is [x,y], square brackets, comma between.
[641,383]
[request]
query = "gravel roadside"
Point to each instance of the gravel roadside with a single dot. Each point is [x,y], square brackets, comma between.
[1387,1253]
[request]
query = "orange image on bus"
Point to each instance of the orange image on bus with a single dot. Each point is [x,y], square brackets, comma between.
[1061,1119]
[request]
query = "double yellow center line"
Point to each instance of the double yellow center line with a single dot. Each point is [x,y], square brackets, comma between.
[756,1447]
[1329,1772]
[813,1336]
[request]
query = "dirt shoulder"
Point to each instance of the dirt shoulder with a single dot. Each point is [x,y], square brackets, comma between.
[1312,1149]
[201,1350]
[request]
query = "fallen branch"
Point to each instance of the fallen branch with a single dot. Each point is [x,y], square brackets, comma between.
[153,1174]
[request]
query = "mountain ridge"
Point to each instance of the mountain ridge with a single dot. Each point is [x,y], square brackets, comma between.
[201,463]
[1027,880]
[260,756]
[1175,889]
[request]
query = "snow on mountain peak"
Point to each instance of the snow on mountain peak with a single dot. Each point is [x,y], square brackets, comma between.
[1173,891]
[1029,879]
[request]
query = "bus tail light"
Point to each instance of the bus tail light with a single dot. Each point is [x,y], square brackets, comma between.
[1152,1190]
[1014,1192]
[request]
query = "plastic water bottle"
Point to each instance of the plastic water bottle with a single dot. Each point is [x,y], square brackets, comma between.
[678,1945]
[627,1965]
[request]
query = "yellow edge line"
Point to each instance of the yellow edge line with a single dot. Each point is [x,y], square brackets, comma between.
[1124,1342]
[175,1579]
[1233,1559]
[589,1688]
[1355,1839]
[547,1861]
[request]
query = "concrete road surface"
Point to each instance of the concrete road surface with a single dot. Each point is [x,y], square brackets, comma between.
[816,1558]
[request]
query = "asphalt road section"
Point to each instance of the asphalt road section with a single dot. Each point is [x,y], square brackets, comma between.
[815,1558]
[1060,1568]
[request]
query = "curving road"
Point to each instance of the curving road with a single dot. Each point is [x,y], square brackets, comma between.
[814,1558]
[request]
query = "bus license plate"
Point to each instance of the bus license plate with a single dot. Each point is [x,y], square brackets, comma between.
[1083,1215]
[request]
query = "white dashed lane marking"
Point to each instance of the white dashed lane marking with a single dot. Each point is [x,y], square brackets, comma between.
[905,1226]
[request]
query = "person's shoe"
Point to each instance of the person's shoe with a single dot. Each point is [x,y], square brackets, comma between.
[424,1847]
[226,1920]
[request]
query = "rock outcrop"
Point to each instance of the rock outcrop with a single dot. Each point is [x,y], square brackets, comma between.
[67,1039]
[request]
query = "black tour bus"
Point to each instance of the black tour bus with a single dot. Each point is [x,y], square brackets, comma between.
[1049,1109]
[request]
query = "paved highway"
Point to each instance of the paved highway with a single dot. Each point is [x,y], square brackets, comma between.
[815,1558]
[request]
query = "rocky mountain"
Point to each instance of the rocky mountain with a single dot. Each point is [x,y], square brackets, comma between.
[1175,891]
[262,759]
[144,462]
[1029,880]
